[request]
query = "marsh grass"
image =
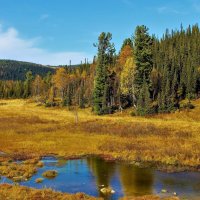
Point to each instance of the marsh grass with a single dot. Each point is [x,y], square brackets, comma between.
[14,192]
[50,174]
[19,171]
[28,131]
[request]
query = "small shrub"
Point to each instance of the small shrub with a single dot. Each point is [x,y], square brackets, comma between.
[133,114]
[188,105]
[50,104]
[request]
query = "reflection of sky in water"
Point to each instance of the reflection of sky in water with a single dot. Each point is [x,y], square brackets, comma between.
[87,175]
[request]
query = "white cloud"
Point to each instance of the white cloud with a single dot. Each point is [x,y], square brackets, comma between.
[12,46]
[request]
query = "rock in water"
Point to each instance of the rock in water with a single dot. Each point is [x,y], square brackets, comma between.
[112,191]
[107,190]
[164,191]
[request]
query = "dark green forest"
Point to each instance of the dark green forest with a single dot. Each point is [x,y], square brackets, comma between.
[149,74]
[16,70]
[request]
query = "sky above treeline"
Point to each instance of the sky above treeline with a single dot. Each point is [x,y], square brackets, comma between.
[55,31]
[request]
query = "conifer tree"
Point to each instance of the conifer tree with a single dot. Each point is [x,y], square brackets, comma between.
[143,56]
[27,84]
[144,101]
[105,55]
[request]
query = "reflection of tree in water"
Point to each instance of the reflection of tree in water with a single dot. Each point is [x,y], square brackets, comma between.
[136,181]
[102,170]
[182,182]
[61,162]
[196,187]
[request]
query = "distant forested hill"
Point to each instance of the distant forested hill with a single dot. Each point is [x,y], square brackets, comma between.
[16,70]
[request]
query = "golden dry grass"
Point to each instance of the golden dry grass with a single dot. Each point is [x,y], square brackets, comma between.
[14,192]
[23,193]
[28,130]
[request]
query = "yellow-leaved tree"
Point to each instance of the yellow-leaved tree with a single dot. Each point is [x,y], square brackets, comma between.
[126,52]
[127,79]
[60,80]
[38,88]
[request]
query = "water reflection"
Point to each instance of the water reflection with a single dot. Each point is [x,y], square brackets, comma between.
[102,171]
[136,181]
[88,175]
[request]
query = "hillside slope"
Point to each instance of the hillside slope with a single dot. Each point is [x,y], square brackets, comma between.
[16,70]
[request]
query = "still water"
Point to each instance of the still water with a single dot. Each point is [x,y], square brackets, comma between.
[87,175]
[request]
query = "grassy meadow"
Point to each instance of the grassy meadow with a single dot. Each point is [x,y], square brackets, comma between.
[28,130]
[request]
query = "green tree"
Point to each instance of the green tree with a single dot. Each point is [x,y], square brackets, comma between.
[143,56]
[144,101]
[105,58]
[27,84]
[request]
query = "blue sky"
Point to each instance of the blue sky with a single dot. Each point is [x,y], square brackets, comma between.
[55,31]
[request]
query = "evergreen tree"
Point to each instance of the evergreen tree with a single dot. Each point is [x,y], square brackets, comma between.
[68,97]
[27,84]
[154,75]
[144,101]
[105,56]
[143,56]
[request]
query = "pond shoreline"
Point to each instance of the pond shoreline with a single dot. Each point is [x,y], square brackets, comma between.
[141,164]
[168,168]
[7,190]
[102,157]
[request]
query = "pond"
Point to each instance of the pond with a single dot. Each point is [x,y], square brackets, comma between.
[89,174]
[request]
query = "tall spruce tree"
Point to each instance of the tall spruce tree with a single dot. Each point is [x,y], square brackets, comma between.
[27,84]
[143,56]
[144,64]
[143,104]
[104,60]
[175,76]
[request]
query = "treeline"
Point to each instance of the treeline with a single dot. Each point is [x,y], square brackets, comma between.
[16,70]
[150,74]
[69,86]
[176,72]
